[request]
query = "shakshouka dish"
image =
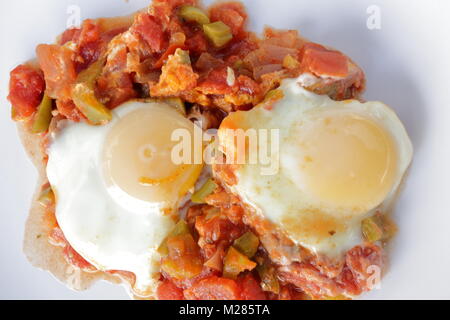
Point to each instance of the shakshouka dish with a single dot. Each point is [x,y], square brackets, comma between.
[293,202]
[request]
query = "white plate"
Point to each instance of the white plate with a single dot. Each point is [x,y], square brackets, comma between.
[406,62]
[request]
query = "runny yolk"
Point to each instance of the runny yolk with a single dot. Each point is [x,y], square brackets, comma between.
[138,155]
[348,161]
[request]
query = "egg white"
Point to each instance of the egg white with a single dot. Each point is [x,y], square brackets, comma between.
[109,228]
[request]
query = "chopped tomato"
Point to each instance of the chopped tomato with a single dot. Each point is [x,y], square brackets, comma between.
[107,36]
[88,53]
[164,9]
[248,86]
[149,28]
[197,43]
[59,70]
[170,50]
[250,288]
[115,85]
[69,35]
[89,41]
[240,48]
[206,62]
[232,14]
[177,76]
[68,109]
[167,290]
[213,288]
[216,254]
[234,213]
[89,44]
[322,61]
[215,228]
[283,38]
[215,83]
[26,87]
[90,32]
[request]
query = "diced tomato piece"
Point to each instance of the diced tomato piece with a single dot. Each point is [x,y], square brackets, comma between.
[216,254]
[89,44]
[107,36]
[164,9]
[115,85]
[69,35]
[149,28]
[213,288]
[232,14]
[170,50]
[177,77]
[217,228]
[167,290]
[215,83]
[26,86]
[240,48]
[250,288]
[207,62]
[90,32]
[119,89]
[197,43]
[248,86]
[59,70]
[75,259]
[88,53]
[322,61]
[68,109]
[234,213]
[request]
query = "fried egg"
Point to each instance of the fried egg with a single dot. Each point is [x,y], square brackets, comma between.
[337,163]
[117,190]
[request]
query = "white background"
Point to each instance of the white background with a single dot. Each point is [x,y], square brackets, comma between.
[407,66]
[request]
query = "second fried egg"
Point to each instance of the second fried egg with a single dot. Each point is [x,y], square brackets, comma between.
[337,162]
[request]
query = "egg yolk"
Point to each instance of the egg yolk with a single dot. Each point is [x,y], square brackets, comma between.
[138,155]
[348,161]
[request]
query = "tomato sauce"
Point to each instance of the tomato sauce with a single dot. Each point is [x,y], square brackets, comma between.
[213,81]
